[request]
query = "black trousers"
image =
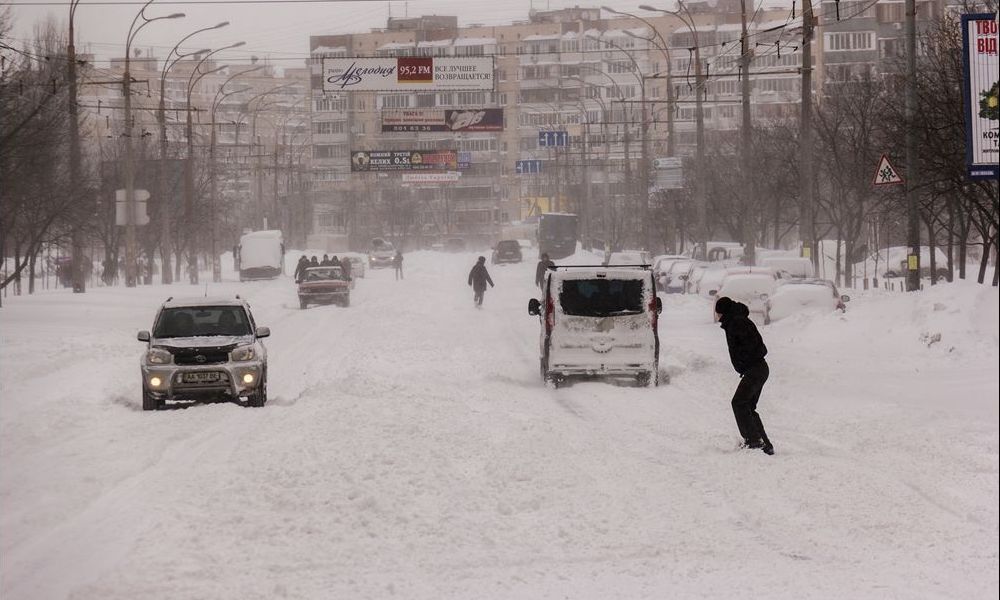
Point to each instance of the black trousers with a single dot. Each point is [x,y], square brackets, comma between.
[745,404]
[477,296]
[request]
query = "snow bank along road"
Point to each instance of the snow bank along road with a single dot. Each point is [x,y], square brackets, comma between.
[409,450]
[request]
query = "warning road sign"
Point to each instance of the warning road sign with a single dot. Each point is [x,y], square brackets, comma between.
[885,173]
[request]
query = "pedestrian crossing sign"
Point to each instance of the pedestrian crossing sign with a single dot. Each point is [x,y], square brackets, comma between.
[885,173]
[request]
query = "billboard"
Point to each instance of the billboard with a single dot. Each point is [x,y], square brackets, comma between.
[368,161]
[408,74]
[472,119]
[982,106]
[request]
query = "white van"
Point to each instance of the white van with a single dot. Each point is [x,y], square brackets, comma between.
[260,255]
[600,322]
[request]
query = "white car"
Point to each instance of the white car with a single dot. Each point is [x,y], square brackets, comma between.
[752,289]
[800,295]
[674,278]
[598,322]
[661,264]
[790,267]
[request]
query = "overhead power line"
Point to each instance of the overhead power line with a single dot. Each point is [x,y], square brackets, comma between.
[140,2]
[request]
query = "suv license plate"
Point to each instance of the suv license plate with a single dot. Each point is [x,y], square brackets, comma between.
[201,377]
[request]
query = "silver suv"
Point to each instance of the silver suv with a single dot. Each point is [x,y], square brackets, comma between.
[201,349]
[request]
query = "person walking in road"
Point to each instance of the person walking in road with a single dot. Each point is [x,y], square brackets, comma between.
[544,263]
[478,278]
[314,262]
[397,264]
[747,352]
[300,269]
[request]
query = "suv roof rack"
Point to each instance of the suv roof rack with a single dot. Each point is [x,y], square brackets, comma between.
[601,266]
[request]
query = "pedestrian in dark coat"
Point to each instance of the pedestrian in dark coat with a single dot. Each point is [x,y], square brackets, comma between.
[326,261]
[478,278]
[313,262]
[300,269]
[747,352]
[397,264]
[543,264]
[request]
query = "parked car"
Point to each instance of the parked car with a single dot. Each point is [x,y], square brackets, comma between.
[789,267]
[708,279]
[203,349]
[506,251]
[381,253]
[359,263]
[804,294]
[324,285]
[891,262]
[673,280]
[752,289]
[629,258]
[661,263]
[598,322]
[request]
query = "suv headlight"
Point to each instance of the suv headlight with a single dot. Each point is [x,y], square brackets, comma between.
[156,356]
[243,353]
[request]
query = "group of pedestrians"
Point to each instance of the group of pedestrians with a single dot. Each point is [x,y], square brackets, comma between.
[328,261]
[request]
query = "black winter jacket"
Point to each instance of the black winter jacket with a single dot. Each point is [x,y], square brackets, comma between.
[746,347]
[479,277]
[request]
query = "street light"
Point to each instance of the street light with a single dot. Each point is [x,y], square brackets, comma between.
[130,242]
[644,164]
[699,115]
[216,265]
[194,78]
[165,235]
[79,279]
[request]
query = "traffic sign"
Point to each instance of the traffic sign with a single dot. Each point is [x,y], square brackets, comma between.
[528,167]
[558,139]
[885,173]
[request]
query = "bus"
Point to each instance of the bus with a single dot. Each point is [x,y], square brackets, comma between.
[557,234]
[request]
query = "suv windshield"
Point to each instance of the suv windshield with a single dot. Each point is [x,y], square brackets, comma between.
[509,246]
[601,297]
[202,321]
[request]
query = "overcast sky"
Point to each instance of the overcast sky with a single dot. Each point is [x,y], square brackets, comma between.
[276,29]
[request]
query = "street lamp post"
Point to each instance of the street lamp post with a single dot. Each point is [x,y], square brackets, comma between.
[79,277]
[699,115]
[216,265]
[130,241]
[193,79]
[166,276]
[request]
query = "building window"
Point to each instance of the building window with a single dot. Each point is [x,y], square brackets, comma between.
[426,100]
[395,101]
[471,98]
[844,41]
[329,151]
[328,127]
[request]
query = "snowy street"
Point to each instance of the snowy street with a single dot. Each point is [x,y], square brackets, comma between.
[409,450]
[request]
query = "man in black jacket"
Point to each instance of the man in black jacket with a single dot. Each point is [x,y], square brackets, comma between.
[478,278]
[747,352]
[543,264]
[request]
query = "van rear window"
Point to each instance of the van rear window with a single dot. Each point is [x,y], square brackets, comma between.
[601,297]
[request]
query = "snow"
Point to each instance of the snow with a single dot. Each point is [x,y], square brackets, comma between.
[409,450]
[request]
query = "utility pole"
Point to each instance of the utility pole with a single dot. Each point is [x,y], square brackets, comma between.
[79,273]
[806,233]
[912,212]
[748,195]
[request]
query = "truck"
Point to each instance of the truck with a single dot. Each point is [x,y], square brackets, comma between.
[260,255]
[557,234]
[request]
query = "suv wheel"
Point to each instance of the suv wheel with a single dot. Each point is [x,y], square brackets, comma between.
[258,397]
[303,303]
[149,402]
[644,379]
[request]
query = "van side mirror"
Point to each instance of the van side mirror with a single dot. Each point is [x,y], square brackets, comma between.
[763,296]
[263,332]
[845,298]
[534,307]
[713,292]
[658,304]
[143,336]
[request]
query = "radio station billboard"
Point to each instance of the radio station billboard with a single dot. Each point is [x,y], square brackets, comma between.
[982,99]
[472,119]
[368,161]
[408,74]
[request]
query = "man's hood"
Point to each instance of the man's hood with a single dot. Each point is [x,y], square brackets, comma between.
[737,309]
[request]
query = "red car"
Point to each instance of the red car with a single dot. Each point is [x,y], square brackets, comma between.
[324,285]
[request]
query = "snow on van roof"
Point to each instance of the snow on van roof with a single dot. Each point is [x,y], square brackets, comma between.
[265,234]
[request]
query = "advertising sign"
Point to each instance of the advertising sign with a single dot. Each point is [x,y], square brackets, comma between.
[408,74]
[473,119]
[982,95]
[448,177]
[365,161]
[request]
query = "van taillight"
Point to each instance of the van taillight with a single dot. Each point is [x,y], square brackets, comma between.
[550,315]
[655,315]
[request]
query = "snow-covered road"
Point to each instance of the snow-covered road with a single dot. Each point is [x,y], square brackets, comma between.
[409,450]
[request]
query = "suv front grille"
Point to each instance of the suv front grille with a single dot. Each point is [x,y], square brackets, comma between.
[208,357]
